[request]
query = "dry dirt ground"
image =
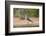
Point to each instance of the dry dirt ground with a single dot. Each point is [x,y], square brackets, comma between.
[17,22]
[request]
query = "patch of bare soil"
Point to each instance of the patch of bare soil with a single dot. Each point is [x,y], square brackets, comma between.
[19,22]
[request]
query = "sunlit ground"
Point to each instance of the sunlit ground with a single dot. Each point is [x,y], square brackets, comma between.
[17,22]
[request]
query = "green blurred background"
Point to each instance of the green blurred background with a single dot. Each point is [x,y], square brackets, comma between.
[21,12]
